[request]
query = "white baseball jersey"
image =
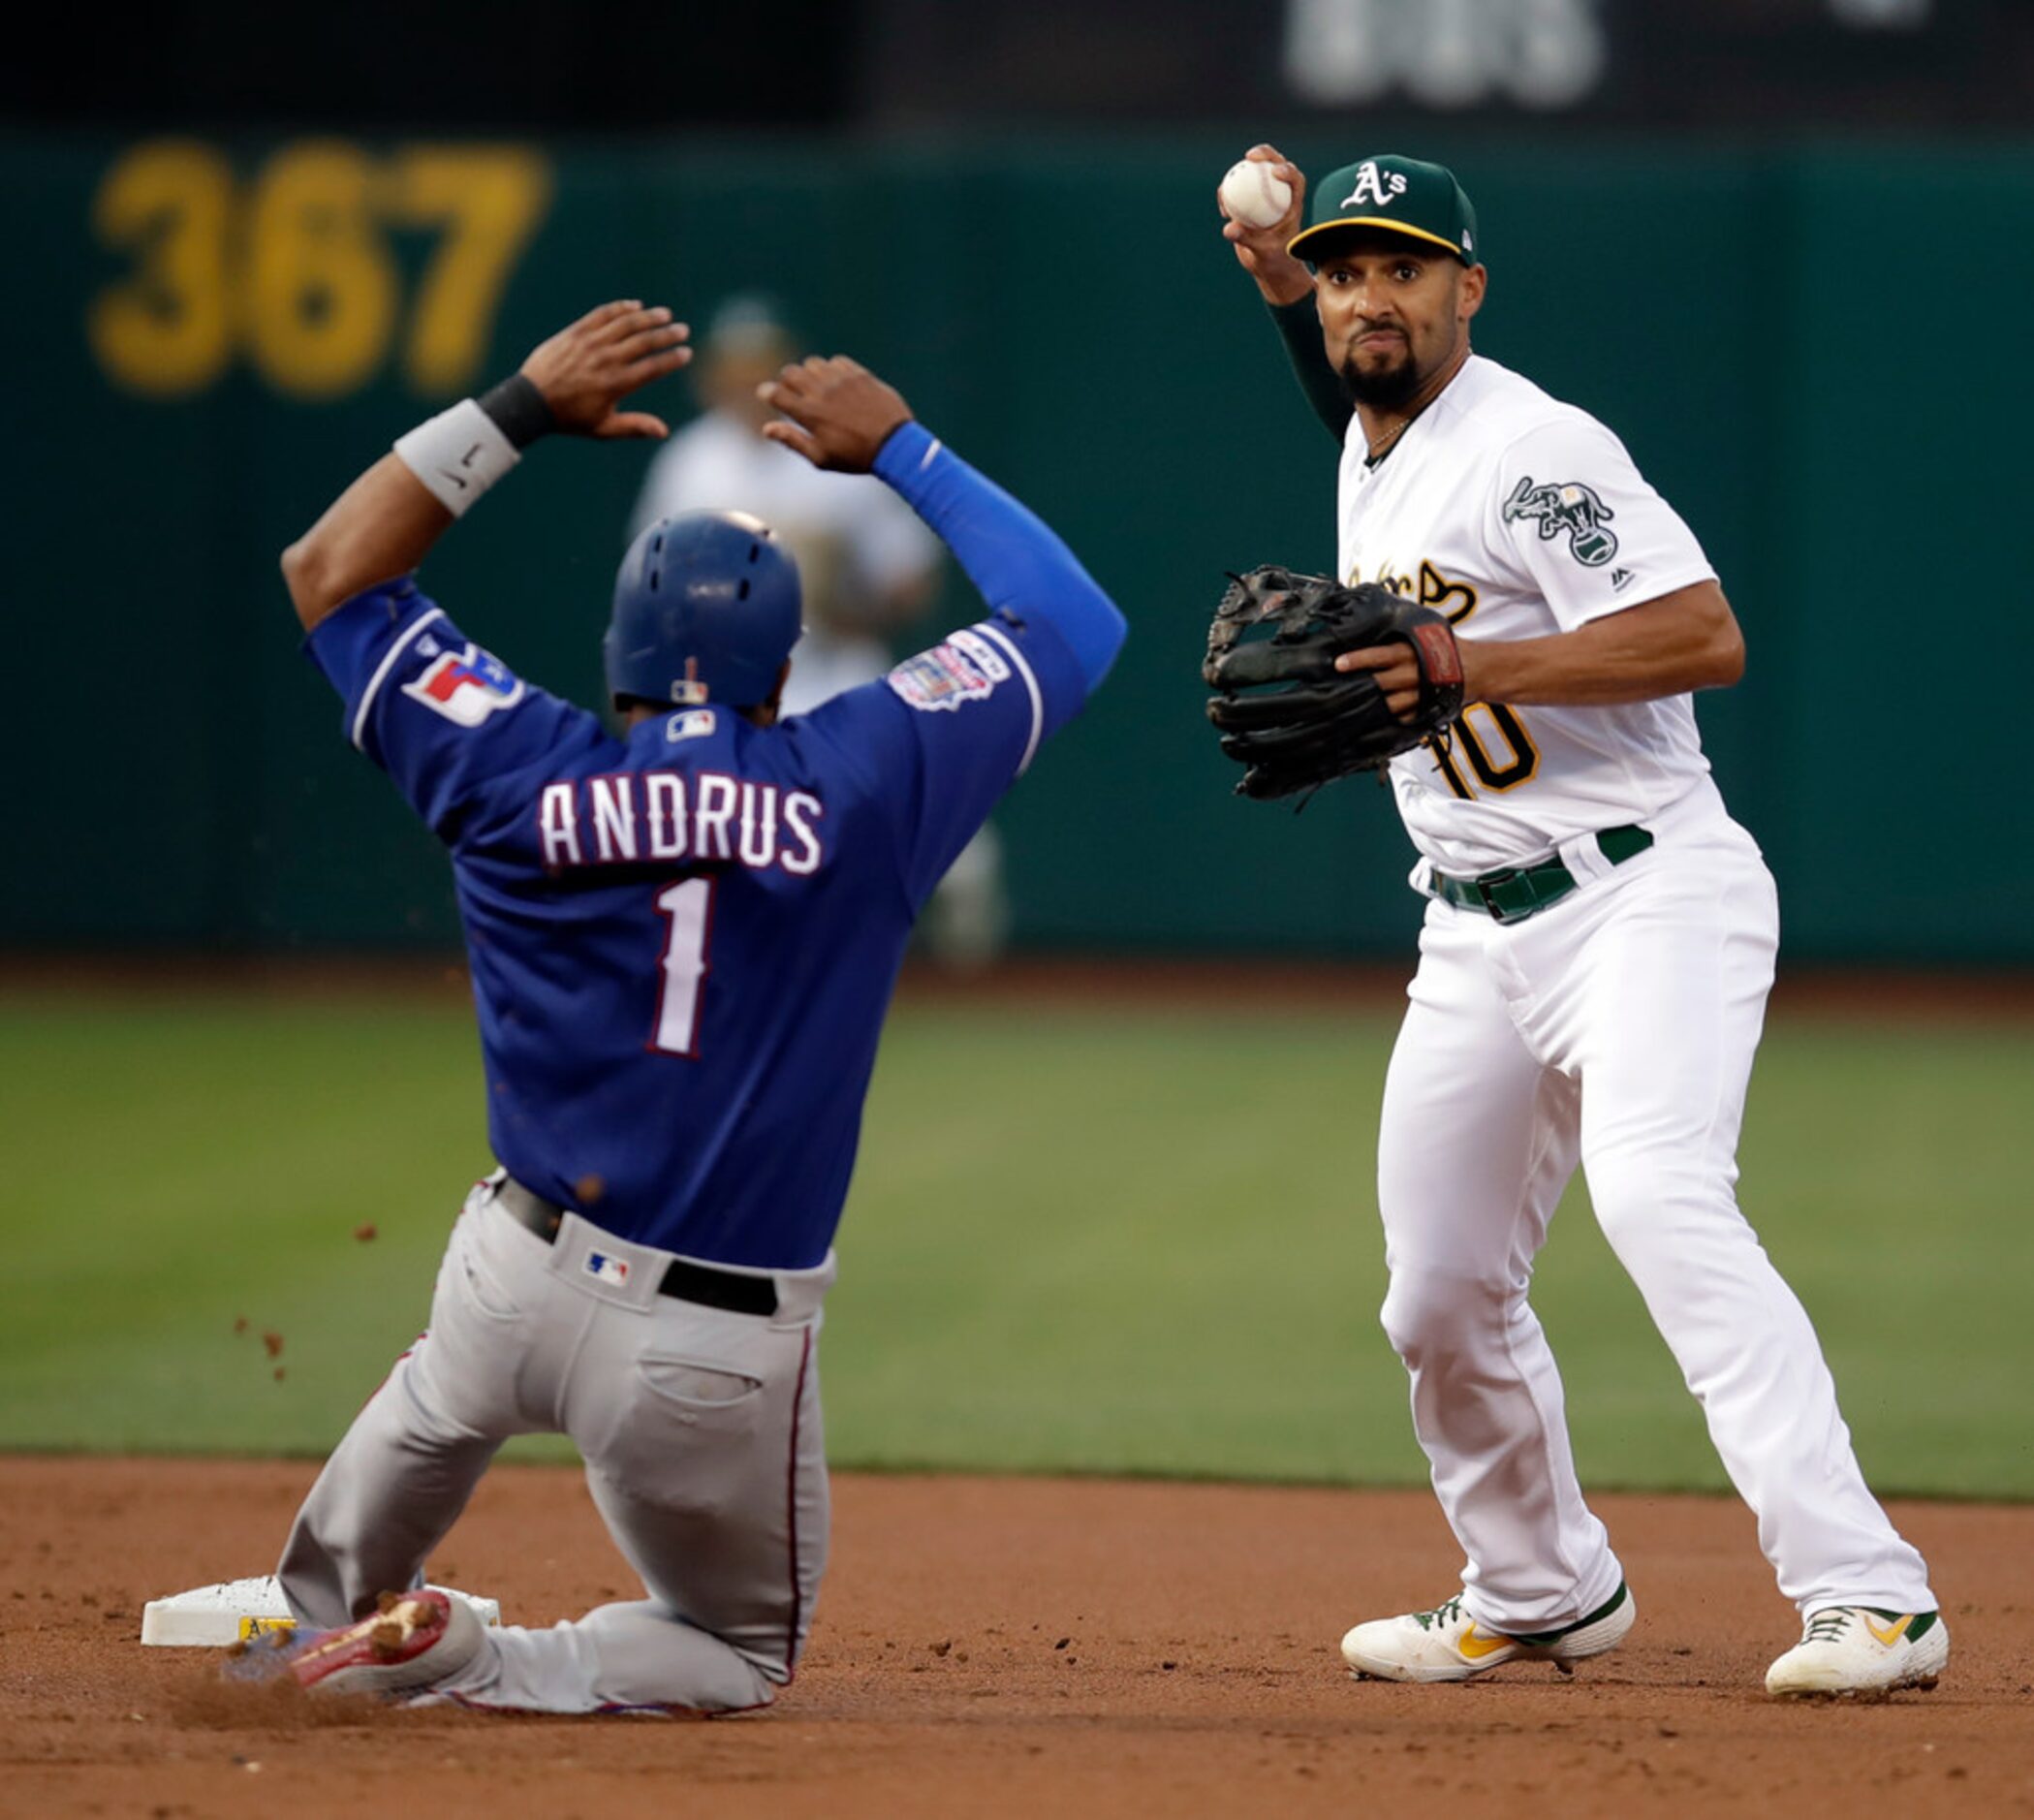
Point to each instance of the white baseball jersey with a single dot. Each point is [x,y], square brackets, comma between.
[1615,1032]
[1519,517]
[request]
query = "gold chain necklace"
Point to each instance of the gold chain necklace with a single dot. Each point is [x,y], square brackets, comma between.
[1379,447]
[1384,444]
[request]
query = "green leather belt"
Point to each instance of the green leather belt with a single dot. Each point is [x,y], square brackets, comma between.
[1519,891]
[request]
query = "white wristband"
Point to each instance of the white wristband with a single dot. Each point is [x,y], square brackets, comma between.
[458,454]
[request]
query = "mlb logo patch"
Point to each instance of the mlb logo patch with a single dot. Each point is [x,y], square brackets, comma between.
[604,1269]
[966,668]
[696,723]
[465,686]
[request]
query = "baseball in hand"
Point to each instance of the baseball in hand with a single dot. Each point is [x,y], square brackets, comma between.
[1253,194]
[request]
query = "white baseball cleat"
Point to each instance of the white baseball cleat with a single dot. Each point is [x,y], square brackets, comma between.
[1855,1651]
[1448,1644]
[414,1641]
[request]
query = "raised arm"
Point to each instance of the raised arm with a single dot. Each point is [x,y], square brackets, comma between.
[1287,288]
[386,522]
[842,417]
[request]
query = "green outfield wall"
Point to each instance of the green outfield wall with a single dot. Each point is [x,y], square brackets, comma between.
[1817,352]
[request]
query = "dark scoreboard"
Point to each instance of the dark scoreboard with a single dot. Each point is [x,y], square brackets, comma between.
[532,65]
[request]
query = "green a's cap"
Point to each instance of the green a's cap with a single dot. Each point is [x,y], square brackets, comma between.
[1399,195]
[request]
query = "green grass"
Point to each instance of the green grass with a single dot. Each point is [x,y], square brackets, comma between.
[1099,1241]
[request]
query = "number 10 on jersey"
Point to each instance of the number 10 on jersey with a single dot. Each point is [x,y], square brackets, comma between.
[1492,772]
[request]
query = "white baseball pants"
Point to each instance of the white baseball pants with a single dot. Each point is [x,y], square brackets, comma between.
[700,1433]
[1616,1028]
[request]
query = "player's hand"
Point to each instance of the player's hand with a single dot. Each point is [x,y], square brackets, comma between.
[839,413]
[585,370]
[1395,670]
[1261,251]
[1398,676]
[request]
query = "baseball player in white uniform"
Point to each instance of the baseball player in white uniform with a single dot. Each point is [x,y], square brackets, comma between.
[1597,946]
[868,567]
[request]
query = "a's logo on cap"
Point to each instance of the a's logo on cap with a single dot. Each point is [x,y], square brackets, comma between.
[1373,185]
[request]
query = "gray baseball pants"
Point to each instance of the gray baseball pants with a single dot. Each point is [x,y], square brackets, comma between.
[702,1437]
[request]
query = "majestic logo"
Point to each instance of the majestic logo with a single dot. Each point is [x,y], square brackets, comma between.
[966,668]
[1567,506]
[1374,186]
[465,686]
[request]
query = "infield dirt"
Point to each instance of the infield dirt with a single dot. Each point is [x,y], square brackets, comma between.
[1006,1646]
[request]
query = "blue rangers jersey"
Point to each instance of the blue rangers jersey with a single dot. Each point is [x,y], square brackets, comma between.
[683,939]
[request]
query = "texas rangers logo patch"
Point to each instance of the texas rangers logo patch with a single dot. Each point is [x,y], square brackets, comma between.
[465,686]
[1567,506]
[966,668]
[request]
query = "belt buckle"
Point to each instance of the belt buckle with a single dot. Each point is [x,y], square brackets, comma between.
[1491,907]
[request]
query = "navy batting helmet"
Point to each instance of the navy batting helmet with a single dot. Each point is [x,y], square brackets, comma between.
[706,610]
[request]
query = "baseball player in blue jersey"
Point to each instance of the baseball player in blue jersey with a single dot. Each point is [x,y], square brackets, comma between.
[683,937]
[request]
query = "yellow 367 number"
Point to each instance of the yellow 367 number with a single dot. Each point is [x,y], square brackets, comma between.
[296,270]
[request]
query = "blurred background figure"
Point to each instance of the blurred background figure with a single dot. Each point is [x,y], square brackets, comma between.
[870,566]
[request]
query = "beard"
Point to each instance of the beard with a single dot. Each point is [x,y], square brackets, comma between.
[1386,389]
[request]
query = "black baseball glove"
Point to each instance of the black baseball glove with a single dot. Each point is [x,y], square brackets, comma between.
[1304,724]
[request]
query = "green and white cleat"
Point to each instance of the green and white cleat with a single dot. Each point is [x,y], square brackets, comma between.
[1448,1644]
[1853,1651]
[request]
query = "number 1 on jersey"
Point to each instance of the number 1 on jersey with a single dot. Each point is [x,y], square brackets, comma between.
[688,907]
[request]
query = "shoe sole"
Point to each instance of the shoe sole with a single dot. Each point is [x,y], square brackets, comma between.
[413,1642]
[1861,1696]
[1375,1669]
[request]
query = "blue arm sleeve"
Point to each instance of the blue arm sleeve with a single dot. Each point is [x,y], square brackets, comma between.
[1017,562]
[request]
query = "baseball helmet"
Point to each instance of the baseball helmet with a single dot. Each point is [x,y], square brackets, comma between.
[706,610]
